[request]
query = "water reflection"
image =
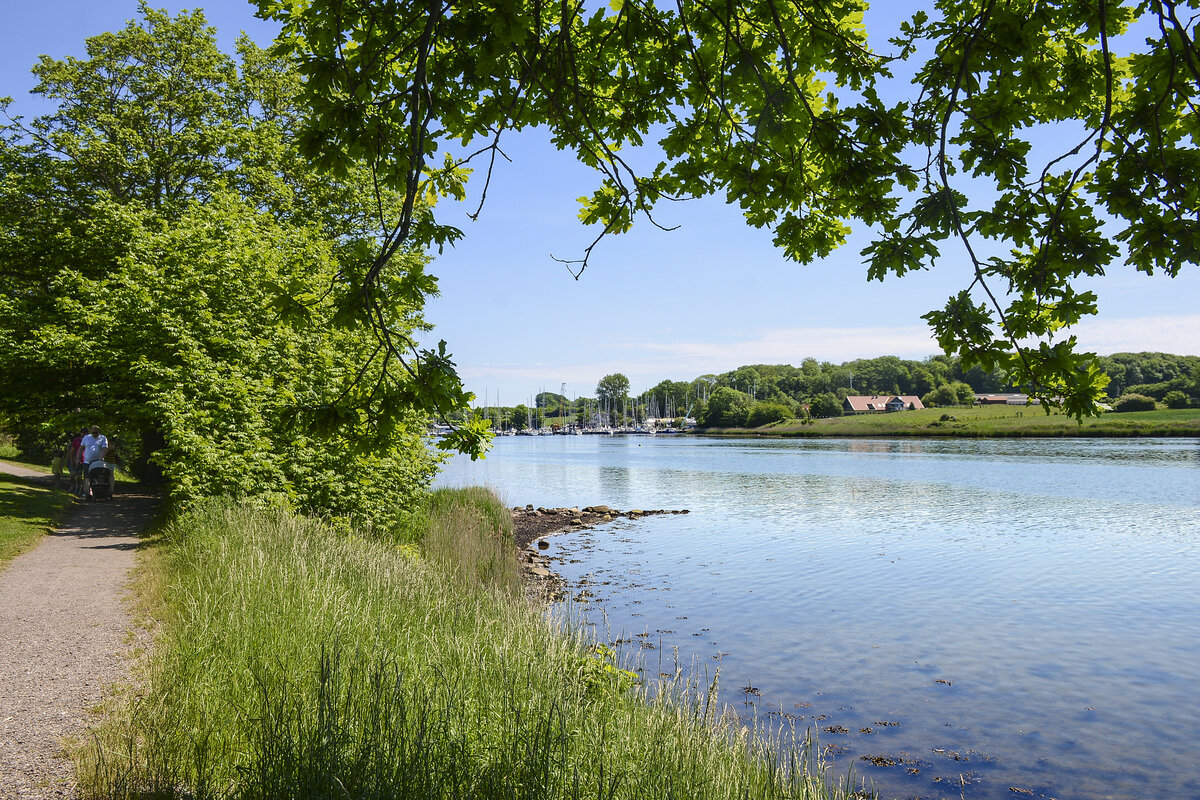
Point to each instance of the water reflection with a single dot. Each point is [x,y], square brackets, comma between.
[967,616]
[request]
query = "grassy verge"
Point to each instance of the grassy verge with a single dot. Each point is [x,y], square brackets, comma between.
[296,663]
[27,511]
[985,421]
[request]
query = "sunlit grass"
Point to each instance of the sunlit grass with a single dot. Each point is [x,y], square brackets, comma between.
[297,663]
[27,511]
[8,448]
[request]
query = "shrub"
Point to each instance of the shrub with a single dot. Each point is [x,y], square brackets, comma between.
[944,395]
[1158,390]
[1134,402]
[767,413]
[1176,399]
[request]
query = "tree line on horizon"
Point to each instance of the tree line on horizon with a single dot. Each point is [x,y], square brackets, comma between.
[760,394]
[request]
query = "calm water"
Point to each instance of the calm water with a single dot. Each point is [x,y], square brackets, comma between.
[985,616]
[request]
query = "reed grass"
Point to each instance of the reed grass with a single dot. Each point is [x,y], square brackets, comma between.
[470,534]
[297,663]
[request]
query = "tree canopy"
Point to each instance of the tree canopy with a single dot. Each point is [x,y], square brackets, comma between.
[612,390]
[786,110]
[167,269]
[727,408]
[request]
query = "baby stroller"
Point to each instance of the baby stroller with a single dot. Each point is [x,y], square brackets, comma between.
[100,479]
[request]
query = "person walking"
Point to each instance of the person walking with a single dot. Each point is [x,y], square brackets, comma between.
[75,462]
[95,448]
[59,460]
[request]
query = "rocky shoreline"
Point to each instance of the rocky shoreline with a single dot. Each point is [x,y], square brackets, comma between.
[532,525]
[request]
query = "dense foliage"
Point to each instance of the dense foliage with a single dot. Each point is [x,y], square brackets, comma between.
[825,405]
[727,408]
[169,268]
[1052,140]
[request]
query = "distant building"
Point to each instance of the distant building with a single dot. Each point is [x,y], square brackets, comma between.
[1002,399]
[880,403]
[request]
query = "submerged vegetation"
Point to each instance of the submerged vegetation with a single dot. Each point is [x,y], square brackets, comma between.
[295,662]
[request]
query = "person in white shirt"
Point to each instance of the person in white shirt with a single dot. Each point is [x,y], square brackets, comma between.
[95,448]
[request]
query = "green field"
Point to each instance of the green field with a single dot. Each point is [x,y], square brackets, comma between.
[985,421]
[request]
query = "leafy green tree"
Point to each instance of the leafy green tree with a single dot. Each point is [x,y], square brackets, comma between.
[767,413]
[983,382]
[950,394]
[744,379]
[679,393]
[1176,399]
[166,258]
[739,94]
[702,387]
[157,116]
[825,405]
[942,396]
[1158,390]
[612,390]
[552,403]
[963,393]
[923,382]
[727,408]
[882,375]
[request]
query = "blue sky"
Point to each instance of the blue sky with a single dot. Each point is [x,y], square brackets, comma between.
[708,297]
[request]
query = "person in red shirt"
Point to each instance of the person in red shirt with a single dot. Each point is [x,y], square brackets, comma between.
[75,461]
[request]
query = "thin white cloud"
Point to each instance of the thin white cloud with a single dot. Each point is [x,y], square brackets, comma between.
[1169,333]
[793,345]
[646,363]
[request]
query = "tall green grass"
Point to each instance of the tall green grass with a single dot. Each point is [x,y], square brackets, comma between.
[469,534]
[296,663]
[8,448]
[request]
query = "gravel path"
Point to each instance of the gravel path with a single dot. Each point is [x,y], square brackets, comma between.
[64,636]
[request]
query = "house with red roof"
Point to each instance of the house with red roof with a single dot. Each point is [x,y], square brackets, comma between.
[880,403]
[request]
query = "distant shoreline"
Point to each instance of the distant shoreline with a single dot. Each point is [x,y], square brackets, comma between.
[987,422]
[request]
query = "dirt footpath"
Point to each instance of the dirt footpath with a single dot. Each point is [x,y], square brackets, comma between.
[64,638]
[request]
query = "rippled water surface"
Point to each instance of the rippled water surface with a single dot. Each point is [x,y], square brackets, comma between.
[978,619]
